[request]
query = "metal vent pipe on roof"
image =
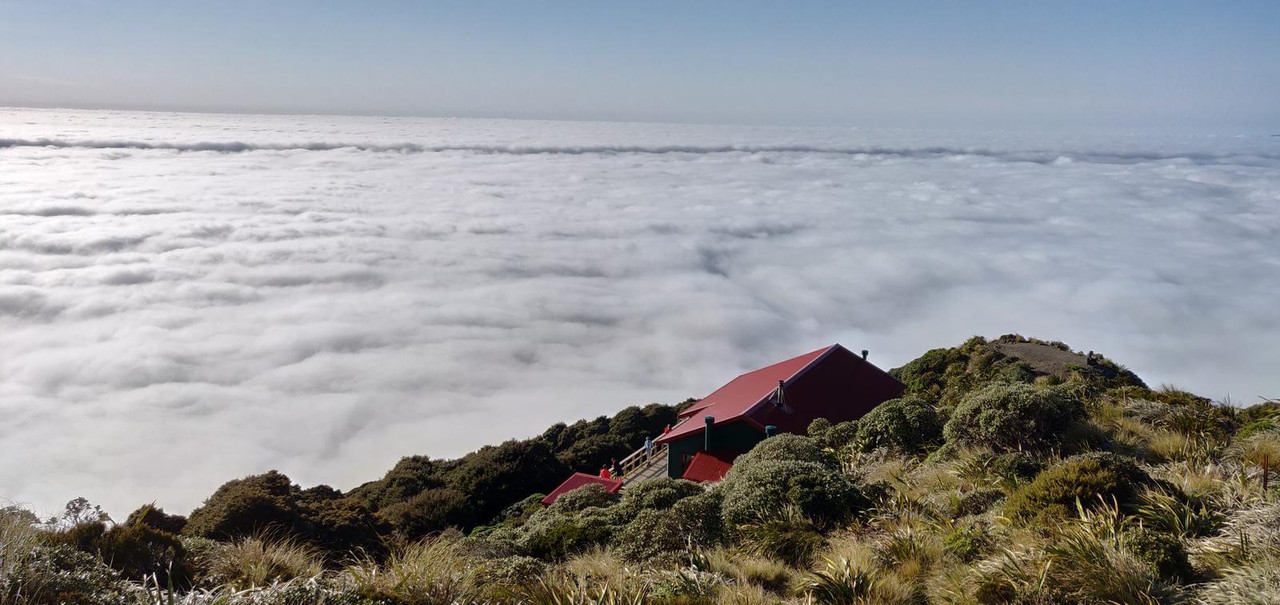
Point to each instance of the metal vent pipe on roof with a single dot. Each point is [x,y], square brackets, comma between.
[864,354]
[706,441]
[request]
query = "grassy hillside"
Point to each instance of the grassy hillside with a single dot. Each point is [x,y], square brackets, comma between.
[1011,471]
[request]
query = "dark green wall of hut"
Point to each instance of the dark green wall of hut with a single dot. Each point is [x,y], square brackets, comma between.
[735,436]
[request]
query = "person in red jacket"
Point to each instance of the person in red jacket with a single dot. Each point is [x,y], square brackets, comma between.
[604,472]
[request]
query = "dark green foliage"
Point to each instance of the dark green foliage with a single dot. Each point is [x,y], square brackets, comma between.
[341,524]
[520,511]
[495,476]
[429,512]
[244,507]
[140,552]
[153,516]
[1016,467]
[1091,479]
[906,425]
[831,436]
[136,551]
[789,470]
[692,522]
[978,501]
[270,504]
[587,445]
[659,493]
[1006,417]
[1162,551]
[566,536]
[409,477]
[1265,425]
[593,452]
[81,536]
[818,428]
[968,543]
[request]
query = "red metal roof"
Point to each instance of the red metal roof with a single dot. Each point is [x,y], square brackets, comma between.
[732,401]
[710,466]
[578,480]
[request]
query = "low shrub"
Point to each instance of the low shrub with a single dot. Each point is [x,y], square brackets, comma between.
[555,536]
[1091,479]
[968,543]
[587,496]
[1165,553]
[693,522]
[789,470]
[1016,467]
[659,493]
[907,425]
[1009,417]
[978,501]
[153,516]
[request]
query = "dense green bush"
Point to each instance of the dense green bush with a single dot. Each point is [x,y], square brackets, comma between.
[978,501]
[1016,467]
[907,425]
[658,493]
[789,470]
[1007,417]
[410,476]
[967,543]
[155,517]
[244,507]
[1089,478]
[429,512]
[692,522]
[555,536]
[140,552]
[495,476]
[1164,552]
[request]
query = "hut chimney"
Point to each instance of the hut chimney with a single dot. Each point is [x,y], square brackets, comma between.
[864,354]
[706,441]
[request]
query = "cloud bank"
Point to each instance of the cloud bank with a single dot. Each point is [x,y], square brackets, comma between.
[186,298]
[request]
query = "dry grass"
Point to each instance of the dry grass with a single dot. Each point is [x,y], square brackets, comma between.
[17,538]
[768,575]
[428,572]
[260,561]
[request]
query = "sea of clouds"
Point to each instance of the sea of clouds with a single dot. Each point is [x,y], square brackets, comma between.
[186,298]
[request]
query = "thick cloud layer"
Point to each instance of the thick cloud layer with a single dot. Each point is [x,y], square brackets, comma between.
[186,298]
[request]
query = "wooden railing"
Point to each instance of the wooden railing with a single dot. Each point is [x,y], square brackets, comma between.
[637,460]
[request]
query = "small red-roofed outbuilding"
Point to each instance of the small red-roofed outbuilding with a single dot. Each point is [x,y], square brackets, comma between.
[578,480]
[710,466]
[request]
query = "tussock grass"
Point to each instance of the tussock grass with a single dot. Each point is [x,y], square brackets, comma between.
[261,561]
[433,571]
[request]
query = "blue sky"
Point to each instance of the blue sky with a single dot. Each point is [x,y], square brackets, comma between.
[1134,64]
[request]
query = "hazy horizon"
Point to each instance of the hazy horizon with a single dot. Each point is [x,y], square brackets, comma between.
[1093,65]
